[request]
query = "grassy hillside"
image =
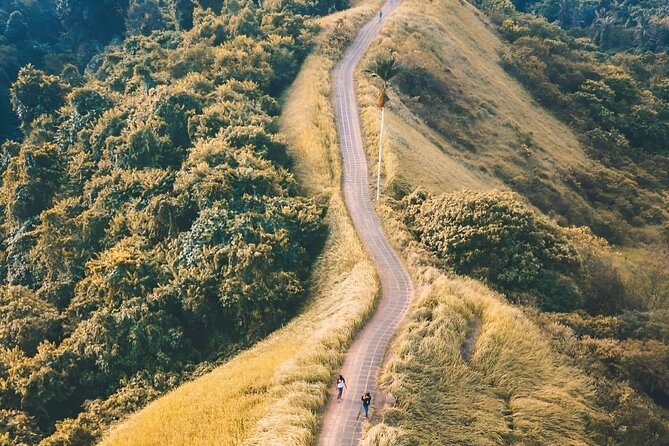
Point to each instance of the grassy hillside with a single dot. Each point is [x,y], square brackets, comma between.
[470,369]
[273,393]
[476,116]
[458,120]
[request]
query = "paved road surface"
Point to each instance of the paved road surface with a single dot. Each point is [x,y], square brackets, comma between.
[343,421]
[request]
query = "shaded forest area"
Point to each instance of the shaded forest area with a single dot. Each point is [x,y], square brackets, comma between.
[150,225]
[53,35]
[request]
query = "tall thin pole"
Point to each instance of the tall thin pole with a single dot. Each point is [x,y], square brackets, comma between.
[378,168]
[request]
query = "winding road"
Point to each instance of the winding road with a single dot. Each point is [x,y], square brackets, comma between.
[343,421]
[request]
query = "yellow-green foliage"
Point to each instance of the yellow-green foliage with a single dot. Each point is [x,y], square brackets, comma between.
[470,369]
[272,394]
[151,208]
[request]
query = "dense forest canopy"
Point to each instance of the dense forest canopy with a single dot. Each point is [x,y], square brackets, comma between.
[642,25]
[149,221]
[62,37]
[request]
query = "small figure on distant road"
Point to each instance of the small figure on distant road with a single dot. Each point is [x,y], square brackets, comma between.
[380,15]
[341,384]
[366,401]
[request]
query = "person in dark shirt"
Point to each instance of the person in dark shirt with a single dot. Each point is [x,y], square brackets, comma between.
[366,401]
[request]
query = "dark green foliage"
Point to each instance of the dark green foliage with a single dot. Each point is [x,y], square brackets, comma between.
[493,237]
[31,180]
[55,34]
[100,20]
[149,222]
[183,13]
[640,24]
[25,319]
[144,17]
[90,424]
[17,428]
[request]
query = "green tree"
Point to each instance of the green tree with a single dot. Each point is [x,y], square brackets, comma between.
[493,237]
[183,13]
[383,68]
[143,17]
[25,320]
[31,180]
[35,93]
[99,20]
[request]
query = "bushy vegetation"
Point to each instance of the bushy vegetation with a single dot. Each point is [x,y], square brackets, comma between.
[273,392]
[602,66]
[626,355]
[492,236]
[149,221]
[62,36]
[637,24]
[495,237]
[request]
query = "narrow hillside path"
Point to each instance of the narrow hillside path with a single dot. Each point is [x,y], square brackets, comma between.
[343,420]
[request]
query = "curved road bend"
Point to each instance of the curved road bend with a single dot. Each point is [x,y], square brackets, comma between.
[343,421]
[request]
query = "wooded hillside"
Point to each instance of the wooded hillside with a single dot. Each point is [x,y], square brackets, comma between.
[149,220]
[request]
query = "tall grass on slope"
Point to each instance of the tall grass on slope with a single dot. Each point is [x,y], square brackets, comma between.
[456,118]
[470,369]
[274,393]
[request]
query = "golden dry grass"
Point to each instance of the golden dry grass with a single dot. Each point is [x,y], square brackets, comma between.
[450,40]
[273,393]
[513,389]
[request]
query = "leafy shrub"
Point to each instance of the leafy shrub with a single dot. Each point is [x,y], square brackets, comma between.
[493,237]
[31,180]
[35,93]
[25,319]
[598,279]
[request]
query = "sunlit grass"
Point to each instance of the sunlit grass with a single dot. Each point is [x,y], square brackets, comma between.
[513,389]
[451,42]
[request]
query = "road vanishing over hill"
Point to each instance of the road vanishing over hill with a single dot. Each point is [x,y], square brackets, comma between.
[343,421]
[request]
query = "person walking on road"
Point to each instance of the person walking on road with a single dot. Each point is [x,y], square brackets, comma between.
[341,384]
[366,401]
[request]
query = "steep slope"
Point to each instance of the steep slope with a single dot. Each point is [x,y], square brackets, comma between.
[459,120]
[468,367]
[458,107]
